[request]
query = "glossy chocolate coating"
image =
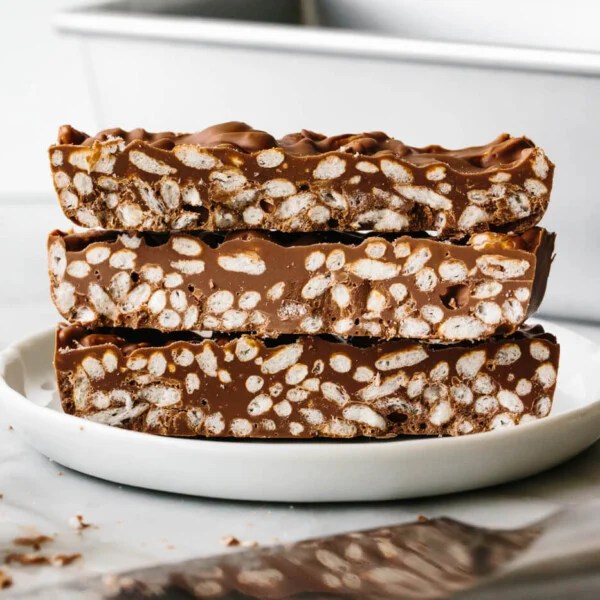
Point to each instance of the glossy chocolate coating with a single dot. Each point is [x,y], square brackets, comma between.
[240,136]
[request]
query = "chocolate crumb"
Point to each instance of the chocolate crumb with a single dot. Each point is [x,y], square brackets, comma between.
[26,559]
[422,519]
[30,559]
[62,560]
[5,580]
[77,522]
[230,540]
[35,542]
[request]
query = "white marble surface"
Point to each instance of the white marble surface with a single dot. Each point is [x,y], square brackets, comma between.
[133,527]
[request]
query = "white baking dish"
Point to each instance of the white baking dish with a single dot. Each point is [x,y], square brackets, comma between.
[552,24]
[162,70]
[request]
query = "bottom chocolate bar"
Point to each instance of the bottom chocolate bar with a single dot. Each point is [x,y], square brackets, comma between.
[183,384]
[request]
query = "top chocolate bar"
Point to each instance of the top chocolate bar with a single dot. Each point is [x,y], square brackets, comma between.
[231,176]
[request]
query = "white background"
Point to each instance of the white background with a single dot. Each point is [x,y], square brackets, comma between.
[42,85]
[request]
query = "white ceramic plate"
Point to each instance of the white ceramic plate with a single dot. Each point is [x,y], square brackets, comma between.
[303,471]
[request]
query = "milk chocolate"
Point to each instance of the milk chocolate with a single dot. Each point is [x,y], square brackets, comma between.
[268,283]
[231,176]
[424,560]
[180,384]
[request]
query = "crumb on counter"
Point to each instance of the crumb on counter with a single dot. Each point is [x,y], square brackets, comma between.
[34,542]
[229,541]
[77,522]
[5,580]
[31,559]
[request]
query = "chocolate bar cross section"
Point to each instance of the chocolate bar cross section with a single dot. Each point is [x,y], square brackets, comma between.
[272,284]
[180,384]
[231,176]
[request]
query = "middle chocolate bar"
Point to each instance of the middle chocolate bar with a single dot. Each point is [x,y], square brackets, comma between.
[344,284]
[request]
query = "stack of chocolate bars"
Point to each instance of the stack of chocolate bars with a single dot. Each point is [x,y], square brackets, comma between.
[305,287]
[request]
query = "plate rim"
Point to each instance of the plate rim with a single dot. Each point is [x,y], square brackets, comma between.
[21,403]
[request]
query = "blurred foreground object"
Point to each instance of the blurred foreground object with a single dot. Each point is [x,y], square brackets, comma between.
[426,559]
